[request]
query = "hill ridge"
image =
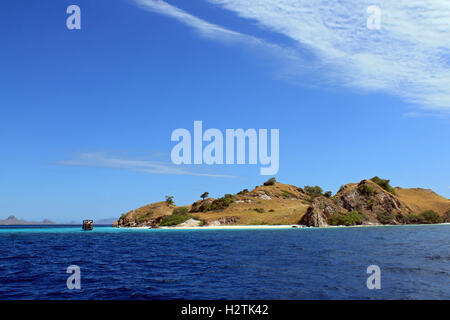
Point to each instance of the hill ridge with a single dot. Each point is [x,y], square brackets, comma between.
[276,203]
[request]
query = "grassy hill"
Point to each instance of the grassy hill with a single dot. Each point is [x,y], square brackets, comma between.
[424,199]
[367,202]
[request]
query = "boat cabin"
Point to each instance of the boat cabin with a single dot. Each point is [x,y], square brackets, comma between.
[88,224]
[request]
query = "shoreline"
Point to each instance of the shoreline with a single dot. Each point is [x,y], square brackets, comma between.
[269,227]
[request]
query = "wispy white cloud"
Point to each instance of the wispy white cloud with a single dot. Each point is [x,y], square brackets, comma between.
[409,56]
[214,31]
[104,160]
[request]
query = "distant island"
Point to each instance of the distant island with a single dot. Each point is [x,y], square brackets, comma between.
[12,220]
[369,202]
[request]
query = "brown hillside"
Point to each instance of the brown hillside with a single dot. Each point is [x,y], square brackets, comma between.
[283,204]
[150,214]
[280,204]
[423,199]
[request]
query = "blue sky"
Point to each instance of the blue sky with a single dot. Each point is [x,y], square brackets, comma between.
[83,111]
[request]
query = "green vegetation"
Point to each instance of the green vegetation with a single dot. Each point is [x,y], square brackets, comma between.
[386,217]
[270,182]
[366,189]
[271,210]
[180,211]
[145,217]
[346,219]
[243,192]
[430,217]
[169,201]
[287,194]
[383,183]
[222,203]
[123,216]
[173,220]
[410,218]
[204,195]
[328,194]
[426,217]
[218,204]
[313,191]
[260,210]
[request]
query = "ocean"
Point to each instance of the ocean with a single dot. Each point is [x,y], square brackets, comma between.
[309,263]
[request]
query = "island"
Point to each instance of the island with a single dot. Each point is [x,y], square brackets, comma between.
[366,203]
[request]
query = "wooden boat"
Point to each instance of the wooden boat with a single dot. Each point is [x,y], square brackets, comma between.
[88,225]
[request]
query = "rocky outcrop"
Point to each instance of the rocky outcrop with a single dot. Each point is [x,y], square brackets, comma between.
[190,223]
[132,223]
[224,221]
[366,198]
[320,210]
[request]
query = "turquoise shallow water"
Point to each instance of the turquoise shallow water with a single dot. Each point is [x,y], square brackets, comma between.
[309,263]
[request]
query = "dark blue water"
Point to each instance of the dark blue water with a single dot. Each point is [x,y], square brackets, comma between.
[309,263]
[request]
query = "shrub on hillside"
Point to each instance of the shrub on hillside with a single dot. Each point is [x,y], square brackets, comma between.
[345,219]
[270,182]
[173,220]
[313,191]
[328,194]
[144,217]
[180,210]
[243,192]
[287,194]
[426,217]
[218,204]
[366,189]
[260,210]
[222,203]
[386,217]
[410,218]
[383,183]
[430,217]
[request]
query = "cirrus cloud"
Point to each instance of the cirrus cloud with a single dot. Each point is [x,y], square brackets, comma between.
[409,56]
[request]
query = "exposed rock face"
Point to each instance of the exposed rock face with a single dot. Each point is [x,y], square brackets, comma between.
[447,216]
[190,223]
[130,223]
[320,210]
[365,197]
[368,197]
[224,221]
[264,196]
